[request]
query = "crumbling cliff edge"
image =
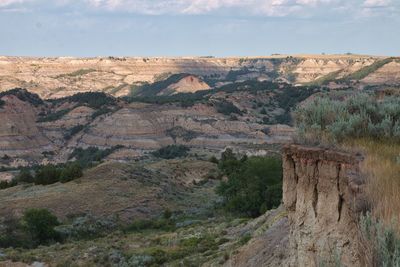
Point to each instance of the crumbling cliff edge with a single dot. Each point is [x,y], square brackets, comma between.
[323,195]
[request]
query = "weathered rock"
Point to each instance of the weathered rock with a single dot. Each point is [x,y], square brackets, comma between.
[323,199]
[19,133]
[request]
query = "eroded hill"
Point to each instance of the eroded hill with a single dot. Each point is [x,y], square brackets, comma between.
[59,77]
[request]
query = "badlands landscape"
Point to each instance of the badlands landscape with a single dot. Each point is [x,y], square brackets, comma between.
[200,161]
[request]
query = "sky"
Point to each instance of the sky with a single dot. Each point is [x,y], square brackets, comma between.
[87,28]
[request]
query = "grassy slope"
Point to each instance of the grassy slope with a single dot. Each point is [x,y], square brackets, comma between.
[382,169]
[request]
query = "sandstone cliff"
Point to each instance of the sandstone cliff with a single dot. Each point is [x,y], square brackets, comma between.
[323,195]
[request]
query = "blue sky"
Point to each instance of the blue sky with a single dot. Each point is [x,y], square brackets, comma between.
[198,27]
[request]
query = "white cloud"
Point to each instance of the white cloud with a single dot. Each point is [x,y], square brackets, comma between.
[376,3]
[4,3]
[271,8]
[266,7]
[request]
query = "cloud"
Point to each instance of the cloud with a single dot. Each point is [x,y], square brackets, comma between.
[195,7]
[5,3]
[376,3]
[267,8]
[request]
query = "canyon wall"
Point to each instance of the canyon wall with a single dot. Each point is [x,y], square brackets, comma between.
[323,195]
[64,76]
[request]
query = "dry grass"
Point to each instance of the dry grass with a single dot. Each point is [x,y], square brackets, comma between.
[382,168]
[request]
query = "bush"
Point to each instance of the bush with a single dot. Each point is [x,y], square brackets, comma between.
[48,174]
[358,116]
[87,156]
[40,223]
[71,172]
[2,103]
[25,176]
[54,116]
[213,159]
[8,184]
[382,240]
[227,108]
[73,131]
[254,184]
[51,174]
[172,151]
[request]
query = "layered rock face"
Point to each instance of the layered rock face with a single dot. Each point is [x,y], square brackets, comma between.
[323,195]
[59,77]
[153,126]
[19,133]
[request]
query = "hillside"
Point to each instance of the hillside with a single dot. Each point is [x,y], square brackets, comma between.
[59,77]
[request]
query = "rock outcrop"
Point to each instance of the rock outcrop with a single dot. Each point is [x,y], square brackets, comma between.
[323,195]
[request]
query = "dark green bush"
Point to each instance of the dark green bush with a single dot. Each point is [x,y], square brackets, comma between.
[73,131]
[71,172]
[101,111]
[165,224]
[25,176]
[95,100]
[213,159]
[172,151]
[2,103]
[254,184]
[8,184]
[24,95]
[40,223]
[86,157]
[48,174]
[227,108]
[54,116]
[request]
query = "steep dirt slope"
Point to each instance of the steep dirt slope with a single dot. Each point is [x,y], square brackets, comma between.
[19,133]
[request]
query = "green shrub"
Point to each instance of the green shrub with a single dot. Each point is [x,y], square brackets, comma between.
[48,174]
[25,176]
[95,100]
[227,108]
[86,157]
[165,224]
[73,131]
[40,223]
[71,172]
[2,103]
[254,184]
[360,115]
[383,240]
[24,95]
[213,159]
[8,184]
[54,116]
[172,151]
[100,112]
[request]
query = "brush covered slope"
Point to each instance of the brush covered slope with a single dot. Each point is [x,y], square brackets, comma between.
[239,114]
